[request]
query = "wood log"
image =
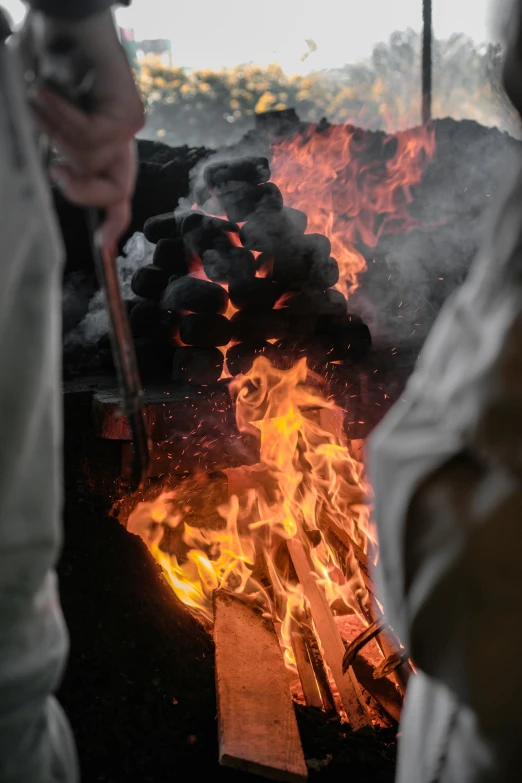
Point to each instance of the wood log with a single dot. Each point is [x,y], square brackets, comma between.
[331,641]
[257,726]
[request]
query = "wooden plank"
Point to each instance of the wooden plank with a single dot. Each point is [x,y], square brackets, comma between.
[321,675]
[331,641]
[257,726]
[306,673]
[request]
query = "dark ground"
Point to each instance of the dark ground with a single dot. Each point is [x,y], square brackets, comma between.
[139,687]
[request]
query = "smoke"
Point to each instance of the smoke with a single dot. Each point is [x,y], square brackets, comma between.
[411,274]
[137,252]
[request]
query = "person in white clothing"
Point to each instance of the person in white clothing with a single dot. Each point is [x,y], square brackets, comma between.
[446,469]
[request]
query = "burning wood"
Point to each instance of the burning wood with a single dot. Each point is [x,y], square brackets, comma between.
[257,726]
[278,509]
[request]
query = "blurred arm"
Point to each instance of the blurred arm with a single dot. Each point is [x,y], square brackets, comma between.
[446,467]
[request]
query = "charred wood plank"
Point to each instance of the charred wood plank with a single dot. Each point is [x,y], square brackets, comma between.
[305,670]
[331,641]
[257,726]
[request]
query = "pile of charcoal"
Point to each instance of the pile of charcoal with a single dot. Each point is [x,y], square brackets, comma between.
[253,282]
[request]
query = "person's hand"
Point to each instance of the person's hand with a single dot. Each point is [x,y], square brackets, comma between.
[98,149]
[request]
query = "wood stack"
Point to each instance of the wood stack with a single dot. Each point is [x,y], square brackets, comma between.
[253,282]
[257,729]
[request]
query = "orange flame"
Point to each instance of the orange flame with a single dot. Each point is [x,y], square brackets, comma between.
[351,192]
[305,476]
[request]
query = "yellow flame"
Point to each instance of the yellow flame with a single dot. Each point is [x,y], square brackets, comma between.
[305,477]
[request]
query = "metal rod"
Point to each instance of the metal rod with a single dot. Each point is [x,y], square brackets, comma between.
[427,64]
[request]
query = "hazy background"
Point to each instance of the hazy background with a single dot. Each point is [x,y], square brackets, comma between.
[350,61]
[208,34]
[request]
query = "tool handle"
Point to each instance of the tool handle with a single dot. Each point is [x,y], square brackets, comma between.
[65,71]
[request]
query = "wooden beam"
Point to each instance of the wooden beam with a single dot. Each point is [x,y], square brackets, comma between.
[257,726]
[331,641]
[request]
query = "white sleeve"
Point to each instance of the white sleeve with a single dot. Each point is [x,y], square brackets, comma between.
[446,468]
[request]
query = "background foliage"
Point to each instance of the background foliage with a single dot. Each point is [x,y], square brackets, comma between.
[217,107]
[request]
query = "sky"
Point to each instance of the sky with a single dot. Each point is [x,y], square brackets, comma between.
[210,34]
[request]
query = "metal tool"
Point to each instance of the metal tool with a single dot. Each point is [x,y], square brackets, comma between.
[63,70]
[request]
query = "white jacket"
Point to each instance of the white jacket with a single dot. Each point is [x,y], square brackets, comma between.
[446,468]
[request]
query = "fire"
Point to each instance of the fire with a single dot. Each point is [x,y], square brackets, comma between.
[305,477]
[351,192]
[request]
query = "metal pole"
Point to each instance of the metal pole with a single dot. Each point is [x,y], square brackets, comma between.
[427,39]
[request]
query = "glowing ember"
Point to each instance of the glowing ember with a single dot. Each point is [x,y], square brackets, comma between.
[305,477]
[350,192]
